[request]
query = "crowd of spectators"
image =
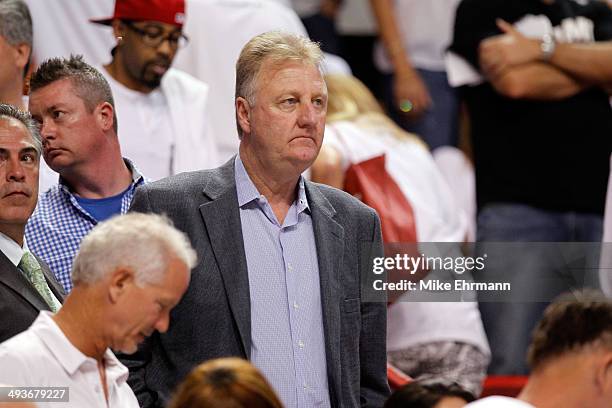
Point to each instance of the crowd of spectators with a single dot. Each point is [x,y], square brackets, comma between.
[471,130]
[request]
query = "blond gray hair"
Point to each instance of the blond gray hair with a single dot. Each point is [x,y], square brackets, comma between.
[275,46]
[143,243]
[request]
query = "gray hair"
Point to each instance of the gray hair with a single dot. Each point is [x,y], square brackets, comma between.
[143,243]
[90,85]
[16,24]
[8,112]
[278,47]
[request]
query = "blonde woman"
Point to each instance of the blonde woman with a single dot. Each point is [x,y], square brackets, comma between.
[431,341]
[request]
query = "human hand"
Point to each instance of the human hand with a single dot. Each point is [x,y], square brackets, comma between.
[411,94]
[502,52]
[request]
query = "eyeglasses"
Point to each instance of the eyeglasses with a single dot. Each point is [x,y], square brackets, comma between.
[153,36]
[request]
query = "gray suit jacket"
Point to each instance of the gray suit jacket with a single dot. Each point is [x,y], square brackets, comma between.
[213,318]
[20,302]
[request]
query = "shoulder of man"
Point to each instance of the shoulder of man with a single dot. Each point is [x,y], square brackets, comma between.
[48,204]
[188,185]
[178,182]
[342,202]
[20,351]
[179,81]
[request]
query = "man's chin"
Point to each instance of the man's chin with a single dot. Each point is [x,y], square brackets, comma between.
[128,348]
[153,82]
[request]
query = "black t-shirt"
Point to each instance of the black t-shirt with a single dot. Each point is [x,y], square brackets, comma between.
[552,155]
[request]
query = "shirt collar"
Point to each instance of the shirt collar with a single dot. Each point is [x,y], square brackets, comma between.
[68,355]
[245,188]
[11,249]
[247,191]
[137,177]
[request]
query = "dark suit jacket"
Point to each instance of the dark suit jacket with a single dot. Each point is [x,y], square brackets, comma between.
[213,318]
[20,302]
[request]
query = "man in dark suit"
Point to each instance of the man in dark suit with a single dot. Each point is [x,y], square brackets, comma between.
[26,284]
[278,279]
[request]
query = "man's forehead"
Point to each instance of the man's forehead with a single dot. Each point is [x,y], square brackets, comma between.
[11,128]
[271,69]
[52,93]
[157,24]
[9,123]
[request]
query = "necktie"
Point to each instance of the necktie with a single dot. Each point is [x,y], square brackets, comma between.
[32,270]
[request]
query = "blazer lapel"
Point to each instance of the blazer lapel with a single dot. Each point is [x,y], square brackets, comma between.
[12,277]
[56,288]
[329,236]
[221,216]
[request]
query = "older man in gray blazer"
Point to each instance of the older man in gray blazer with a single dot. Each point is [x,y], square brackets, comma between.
[278,279]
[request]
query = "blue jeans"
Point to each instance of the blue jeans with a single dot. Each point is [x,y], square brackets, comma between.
[439,126]
[536,274]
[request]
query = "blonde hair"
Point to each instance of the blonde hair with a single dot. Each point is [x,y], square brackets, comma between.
[275,46]
[350,100]
[225,383]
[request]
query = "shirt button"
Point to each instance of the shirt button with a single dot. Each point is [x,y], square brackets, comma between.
[301,344]
[295,305]
[289,267]
[305,386]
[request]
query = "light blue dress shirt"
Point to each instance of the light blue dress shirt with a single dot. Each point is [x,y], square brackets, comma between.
[288,342]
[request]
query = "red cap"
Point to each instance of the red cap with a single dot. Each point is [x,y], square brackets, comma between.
[164,11]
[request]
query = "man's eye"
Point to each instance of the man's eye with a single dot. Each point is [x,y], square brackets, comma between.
[153,35]
[28,158]
[57,114]
[318,102]
[289,101]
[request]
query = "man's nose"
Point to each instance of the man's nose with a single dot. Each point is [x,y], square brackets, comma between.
[48,129]
[14,171]
[163,322]
[307,115]
[166,49]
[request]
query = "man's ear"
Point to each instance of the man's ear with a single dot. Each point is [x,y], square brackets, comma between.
[604,374]
[105,116]
[22,52]
[118,30]
[243,115]
[120,282]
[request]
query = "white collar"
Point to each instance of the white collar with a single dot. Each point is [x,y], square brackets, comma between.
[70,357]
[11,249]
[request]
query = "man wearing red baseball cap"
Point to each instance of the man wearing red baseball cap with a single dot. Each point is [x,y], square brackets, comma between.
[161,111]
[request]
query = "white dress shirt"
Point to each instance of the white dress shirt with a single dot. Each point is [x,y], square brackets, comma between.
[42,356]
[11,249]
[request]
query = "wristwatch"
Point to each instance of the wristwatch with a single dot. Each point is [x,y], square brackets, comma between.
[547,46]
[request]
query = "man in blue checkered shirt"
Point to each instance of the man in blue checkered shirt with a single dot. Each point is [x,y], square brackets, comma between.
[73,104]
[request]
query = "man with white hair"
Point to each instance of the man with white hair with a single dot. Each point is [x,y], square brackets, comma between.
[129,273]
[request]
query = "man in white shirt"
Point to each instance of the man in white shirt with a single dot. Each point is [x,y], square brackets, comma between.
[162,111]
[26,284]
[129,273]
[570,357]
